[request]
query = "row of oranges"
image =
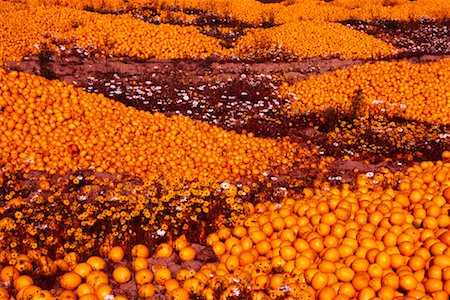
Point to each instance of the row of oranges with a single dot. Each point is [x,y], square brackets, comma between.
[412,91]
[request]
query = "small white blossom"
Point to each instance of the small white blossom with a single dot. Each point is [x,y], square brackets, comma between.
[109,297]
[284,288]
[225,185]
[43,226]
[369,174]
[160,232]
[235,291]
[82,198]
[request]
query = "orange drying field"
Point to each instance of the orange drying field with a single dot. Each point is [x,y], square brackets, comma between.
[224,149]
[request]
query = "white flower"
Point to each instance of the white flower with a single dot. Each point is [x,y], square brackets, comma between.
[109,297]
[369,174]
[82,198]
[225,185]
[160,232]
[43,226]
[284,288]
[235,291]
[278,205]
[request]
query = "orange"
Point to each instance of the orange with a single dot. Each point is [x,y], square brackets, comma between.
[433,285]
[139,263]
[70,281]
[179,294]
[116,254]
[140,250]
[326,293]
[22,281]
[161,276]
[288,253]
[83,269]
[85,289]
[263,247]
[319,281]
[147,290]
[97,263]
[408,282]
[345,274]
[67,295]
[9,274]
[416,263]
[121,274]
[360,281]
[143,276]
[187,253]
[164,250]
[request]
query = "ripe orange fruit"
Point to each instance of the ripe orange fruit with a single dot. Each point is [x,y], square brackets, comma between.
[70,281]
[179,294]
[408,282]
[319,281]
[22,281]
[161,275]
[360,281]
[147,290]
[139,263]
[121,274]
[97,263]
[140,250]
[187,254]
[85,289]
[116,254]
[143,276]
[83,269]
[67,295]
[164,250]
[9,274]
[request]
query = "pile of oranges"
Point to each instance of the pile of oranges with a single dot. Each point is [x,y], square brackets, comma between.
[30,30]
[53,126]
[411,91]
[384,236]
[305,39]
[256,13]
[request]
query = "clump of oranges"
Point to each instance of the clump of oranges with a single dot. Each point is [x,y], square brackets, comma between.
[53,126]
[29,30]
[406,90]
[255,13]
[305,39]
